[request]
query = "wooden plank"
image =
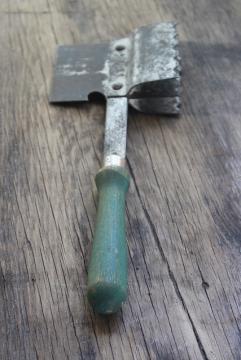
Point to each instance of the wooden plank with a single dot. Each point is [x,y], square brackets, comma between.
[183,207]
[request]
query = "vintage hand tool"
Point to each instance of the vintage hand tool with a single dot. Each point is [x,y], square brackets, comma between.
[141,70]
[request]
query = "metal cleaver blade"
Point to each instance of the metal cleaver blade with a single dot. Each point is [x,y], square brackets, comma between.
[145,67]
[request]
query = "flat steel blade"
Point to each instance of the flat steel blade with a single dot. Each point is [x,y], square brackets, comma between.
[143,66]
[79,71]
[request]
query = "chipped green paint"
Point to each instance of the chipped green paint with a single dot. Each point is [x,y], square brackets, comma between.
[107,276]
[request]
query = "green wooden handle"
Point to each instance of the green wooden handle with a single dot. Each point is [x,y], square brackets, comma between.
[107,275]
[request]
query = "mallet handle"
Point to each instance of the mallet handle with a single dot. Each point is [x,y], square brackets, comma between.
[107,277]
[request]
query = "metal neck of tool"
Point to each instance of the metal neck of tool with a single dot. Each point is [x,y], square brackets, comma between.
[115,132]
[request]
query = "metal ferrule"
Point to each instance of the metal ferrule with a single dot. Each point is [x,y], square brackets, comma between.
[114,160]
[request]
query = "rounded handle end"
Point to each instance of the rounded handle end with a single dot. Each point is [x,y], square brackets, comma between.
[106,298]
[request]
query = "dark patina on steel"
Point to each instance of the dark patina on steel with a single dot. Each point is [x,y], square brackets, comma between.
[144,65]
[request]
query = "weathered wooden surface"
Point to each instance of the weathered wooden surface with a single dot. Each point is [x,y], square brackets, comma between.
[183,208]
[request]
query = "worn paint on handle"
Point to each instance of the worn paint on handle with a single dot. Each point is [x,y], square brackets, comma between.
[107,276]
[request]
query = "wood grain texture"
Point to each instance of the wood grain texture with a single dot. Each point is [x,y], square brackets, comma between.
[183,207]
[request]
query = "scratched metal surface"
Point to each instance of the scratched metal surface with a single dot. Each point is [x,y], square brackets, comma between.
[142,66]
[115,131]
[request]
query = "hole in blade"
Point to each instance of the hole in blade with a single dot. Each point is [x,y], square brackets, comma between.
[117,86]
[120,47]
